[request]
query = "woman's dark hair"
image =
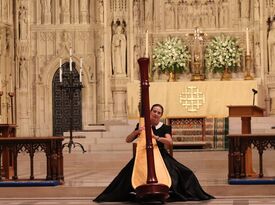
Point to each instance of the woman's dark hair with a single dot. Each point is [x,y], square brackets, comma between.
[158,105]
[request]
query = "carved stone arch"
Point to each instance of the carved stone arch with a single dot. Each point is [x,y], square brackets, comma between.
[67,100]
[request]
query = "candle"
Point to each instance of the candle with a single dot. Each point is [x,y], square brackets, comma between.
[71,52]
[247,42]
[146,44]
[71,62]
[11,90]
[60,70]
[60,74]
[81,62]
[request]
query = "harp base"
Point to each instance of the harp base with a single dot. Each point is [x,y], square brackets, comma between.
[152,192]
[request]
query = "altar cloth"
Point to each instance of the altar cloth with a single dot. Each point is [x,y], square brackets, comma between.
[195,98]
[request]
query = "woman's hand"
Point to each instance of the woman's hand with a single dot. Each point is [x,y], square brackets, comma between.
[155,136]
[133,135]
[167,139]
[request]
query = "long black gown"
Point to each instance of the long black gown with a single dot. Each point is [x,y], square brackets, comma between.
[185,185]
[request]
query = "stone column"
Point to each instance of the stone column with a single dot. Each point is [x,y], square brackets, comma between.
[46,11]
[119,97]
[100,75]
[101,11]
[271,48]
[84,11]
[65,11]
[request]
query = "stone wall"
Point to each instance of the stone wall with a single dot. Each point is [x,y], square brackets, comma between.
[7,72]
[110,37]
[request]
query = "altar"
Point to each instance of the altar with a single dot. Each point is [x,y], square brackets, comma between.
[196,98]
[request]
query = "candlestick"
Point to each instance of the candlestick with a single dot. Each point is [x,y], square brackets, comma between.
[11,94]
[1,93]
[247,42]
[146,44]
[70,85]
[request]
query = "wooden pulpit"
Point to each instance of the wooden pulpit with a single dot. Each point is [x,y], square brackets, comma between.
[246,112]
[7,130]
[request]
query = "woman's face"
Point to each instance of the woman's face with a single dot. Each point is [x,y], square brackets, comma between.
[155,115]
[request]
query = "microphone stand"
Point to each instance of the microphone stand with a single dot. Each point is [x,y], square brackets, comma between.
[254,93]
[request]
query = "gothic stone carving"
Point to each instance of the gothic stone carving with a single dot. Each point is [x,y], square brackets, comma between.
[119,49]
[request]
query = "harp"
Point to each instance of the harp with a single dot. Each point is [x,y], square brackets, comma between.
[150,178]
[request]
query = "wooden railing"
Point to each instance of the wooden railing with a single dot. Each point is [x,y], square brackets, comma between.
[238,144]
[51,146]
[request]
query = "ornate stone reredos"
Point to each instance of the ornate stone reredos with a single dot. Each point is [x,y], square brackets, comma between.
[66,39]
[22,48]
[271,22]
[8,40]
[119,23]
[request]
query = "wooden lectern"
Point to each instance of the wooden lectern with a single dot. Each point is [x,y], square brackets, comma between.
[246,112]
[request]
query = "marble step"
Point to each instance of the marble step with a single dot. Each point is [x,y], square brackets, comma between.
[104,137]
[95,127]
[92,191]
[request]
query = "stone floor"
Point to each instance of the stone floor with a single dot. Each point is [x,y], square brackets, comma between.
[87,174]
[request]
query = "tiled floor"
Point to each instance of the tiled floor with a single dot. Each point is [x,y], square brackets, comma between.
[87,174]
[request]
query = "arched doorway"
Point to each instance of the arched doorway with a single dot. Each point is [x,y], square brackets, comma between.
[62,110]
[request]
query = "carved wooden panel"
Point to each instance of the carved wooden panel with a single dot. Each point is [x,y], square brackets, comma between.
[188,129]
[65,95]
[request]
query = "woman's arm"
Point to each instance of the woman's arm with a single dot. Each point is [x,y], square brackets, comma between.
[167,139]
[133,135]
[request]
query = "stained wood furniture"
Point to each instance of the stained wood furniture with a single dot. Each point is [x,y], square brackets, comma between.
[246,112]
[51,146]
[238,144]
[7,131]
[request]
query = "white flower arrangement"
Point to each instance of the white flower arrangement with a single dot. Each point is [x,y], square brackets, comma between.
[171,55]
[222,52]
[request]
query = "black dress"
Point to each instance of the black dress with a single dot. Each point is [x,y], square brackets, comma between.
[185,185]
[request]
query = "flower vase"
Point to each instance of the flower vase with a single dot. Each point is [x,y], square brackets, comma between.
[172,77]
[226,75]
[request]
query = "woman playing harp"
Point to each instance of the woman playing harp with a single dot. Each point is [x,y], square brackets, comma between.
[185,185]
